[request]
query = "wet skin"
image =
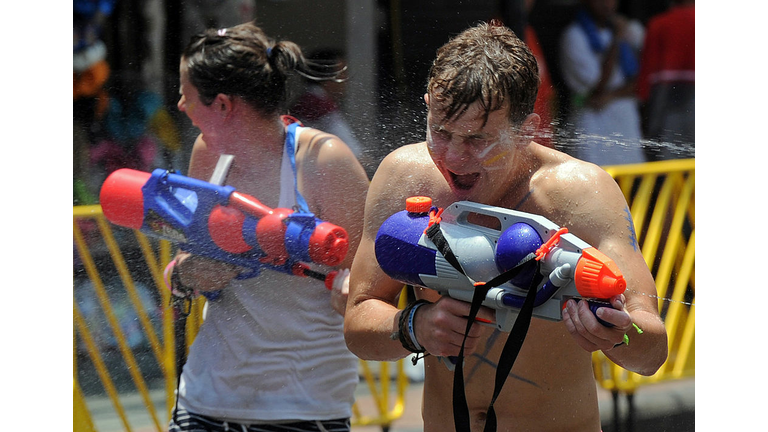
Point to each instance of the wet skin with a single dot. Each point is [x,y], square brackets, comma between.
[551,386]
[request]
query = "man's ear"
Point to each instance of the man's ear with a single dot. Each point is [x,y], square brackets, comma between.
[222,104]
[531,125]
[426,99]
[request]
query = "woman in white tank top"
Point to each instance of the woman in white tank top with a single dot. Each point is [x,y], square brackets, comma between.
[271,349]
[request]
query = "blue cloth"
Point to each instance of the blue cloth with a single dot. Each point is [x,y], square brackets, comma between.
[627,59]
[290,143]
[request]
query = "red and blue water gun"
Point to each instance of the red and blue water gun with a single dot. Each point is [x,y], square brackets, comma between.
[222,224]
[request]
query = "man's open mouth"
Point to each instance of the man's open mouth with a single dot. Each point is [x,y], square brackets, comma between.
[464,181]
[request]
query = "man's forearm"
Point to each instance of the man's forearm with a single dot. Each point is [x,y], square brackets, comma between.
[368,329]
[646,351]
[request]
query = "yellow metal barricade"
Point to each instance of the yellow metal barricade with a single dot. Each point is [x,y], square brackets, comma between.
[138,335]
[124,360]
[661,199]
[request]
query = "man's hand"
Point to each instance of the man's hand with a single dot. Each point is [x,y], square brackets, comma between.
[588,332]
[440,327]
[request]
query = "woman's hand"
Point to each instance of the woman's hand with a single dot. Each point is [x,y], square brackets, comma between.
[340,291]
[204,274]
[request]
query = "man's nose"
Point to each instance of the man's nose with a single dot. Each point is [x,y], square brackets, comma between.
[455,152]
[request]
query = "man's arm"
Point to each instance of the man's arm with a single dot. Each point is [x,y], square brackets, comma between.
[601,218]
[372,312]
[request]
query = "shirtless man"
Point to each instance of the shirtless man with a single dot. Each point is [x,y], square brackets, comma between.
[480,96]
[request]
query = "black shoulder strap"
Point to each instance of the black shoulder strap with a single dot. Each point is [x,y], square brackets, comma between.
[514,341]
[181,305]
[435,235]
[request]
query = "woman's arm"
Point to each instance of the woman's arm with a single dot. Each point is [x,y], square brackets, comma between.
[335,185]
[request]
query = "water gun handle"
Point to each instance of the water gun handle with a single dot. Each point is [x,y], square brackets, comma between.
[328,279]
[594,306]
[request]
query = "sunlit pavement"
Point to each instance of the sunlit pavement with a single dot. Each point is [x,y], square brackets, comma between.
[665,406]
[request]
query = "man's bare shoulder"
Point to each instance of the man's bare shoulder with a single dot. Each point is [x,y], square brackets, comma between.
[566,188]
[565,178]
[406,158]
[581,196]
[408,167]
[407,171]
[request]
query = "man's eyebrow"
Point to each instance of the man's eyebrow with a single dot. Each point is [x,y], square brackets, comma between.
[482,134]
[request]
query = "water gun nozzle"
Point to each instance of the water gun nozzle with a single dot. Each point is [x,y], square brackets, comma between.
[328,244]
[598,276]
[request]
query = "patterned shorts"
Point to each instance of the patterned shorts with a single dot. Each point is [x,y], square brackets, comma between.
[185,421]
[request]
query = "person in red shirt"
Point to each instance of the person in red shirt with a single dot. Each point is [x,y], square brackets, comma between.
[666,84]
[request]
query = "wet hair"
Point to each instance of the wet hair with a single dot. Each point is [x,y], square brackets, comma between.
[243,61]
[488,64]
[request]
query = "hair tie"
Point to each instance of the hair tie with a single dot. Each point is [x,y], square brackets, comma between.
[269,52]
[222,32]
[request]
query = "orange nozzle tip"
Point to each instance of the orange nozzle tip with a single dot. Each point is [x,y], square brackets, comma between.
[418,204]
[598,276]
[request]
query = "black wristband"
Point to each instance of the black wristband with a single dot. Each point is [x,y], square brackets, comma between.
[402,328]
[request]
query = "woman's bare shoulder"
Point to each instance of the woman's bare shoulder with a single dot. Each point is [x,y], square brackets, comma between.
[202,160]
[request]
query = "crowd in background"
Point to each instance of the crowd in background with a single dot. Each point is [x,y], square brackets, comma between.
[618,90]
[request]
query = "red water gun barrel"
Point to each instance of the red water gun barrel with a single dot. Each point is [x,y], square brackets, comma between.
[122,199]
[328,243]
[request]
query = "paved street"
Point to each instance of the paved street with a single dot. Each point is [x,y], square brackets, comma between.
[664,406]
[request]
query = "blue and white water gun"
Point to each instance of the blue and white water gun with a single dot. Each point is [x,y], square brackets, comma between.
[570,267]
